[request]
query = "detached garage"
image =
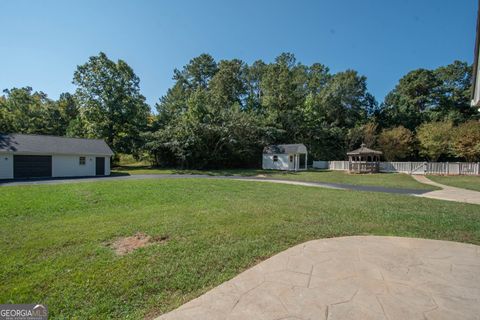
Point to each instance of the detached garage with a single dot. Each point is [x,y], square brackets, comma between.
[24,156]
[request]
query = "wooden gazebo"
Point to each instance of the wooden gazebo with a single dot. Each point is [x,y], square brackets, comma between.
[364,160]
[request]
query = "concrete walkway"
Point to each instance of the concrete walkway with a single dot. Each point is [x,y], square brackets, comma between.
[361,277]
[448,193]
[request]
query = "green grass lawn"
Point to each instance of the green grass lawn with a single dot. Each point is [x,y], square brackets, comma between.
[467,182]
[132,169]
[389,180]
[53,237]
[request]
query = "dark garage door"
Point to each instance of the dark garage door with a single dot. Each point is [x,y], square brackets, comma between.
[32,166]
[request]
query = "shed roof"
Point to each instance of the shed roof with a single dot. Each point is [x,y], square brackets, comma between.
[41,144]
[363,150]
[285,148]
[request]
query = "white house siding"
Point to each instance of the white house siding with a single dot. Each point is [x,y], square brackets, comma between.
[291,164]
[107,166]
[62,166]
[69,166]
[6,166]
[476,88]
[281,164]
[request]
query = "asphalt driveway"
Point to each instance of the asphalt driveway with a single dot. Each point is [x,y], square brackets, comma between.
[338,186]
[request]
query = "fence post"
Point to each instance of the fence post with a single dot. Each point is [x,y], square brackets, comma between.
[411,167]
[448,169]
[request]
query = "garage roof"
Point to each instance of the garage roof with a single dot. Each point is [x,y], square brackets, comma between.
[285,148]
[40,144]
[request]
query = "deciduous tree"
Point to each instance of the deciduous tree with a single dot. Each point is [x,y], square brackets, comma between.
[434,139]
[110,103]
[396,143]
[23,110]
[466,141]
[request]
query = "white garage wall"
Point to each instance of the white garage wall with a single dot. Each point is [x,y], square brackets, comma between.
[281,164]
[107,166]
[6,166]
[69,166]
[62,166]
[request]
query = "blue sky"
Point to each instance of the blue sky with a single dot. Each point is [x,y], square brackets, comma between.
[42,42]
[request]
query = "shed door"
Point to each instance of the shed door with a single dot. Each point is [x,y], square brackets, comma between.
[32,166]
[301,161]
[100,166]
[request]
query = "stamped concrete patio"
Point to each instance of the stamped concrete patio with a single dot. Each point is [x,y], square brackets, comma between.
[361,277]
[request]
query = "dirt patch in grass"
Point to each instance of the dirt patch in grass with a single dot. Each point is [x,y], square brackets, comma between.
[126,245]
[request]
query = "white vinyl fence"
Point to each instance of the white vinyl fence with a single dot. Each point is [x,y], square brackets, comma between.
[445,168]
[321,164]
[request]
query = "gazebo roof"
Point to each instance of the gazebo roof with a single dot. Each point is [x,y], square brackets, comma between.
[363,150]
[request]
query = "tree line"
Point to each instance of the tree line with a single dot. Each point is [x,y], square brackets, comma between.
[221,114]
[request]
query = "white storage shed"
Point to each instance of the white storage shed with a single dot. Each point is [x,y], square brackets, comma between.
[285,157]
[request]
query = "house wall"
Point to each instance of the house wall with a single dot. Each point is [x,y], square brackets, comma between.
[6,166]
[69,166]
[107,166]
[62,166]
[291,164]
[476,86]
[281,164]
